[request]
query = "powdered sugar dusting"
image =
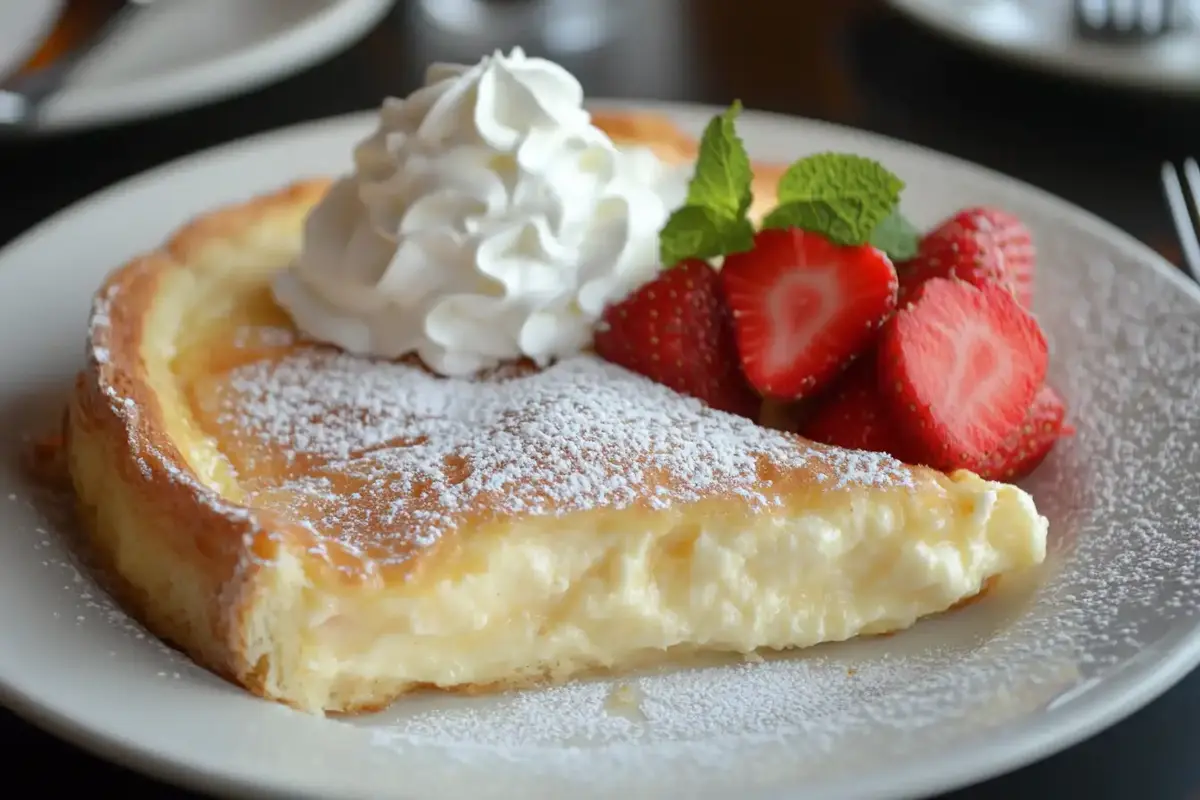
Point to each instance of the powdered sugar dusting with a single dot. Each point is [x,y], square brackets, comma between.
[682,705]
[765,717]
[369,446]
[63,567]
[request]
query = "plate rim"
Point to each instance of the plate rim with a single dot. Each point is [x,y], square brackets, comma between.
[1051,60]
[1131,686]
[319,36]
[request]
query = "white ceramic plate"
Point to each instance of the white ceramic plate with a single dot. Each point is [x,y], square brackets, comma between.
[181,53]
[1038,34]
[1106,626]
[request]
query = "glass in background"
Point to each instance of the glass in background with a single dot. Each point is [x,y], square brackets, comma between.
[564,26]
[617,48]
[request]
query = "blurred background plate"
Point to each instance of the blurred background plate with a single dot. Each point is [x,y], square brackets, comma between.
[1039,34]
[181,53]
[23,25]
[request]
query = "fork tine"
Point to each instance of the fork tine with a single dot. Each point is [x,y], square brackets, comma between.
[1191,180]
[1125,14]
[1094,16]
[1185,222]
[1090,14]
[1155,15]
[1125,20]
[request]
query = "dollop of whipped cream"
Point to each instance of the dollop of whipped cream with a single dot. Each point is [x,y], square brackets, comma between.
[486,220]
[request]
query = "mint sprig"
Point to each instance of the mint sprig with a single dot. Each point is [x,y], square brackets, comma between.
[713,221]
[849,199]
[857,183]
[702,232]
[723,176]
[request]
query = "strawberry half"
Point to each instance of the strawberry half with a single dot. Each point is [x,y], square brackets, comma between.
[854,414]
[804,307]
[675,330]
[962,365]
[1010,238]
[1024,450]
[976,245]
[952,252]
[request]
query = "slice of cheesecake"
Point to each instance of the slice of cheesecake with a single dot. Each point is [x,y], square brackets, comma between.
[332,532]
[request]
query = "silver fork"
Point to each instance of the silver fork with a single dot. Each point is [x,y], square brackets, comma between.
[1181,184]
[1128,21]
[23,97]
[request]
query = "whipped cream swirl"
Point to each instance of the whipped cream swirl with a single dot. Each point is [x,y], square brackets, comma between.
[486,220]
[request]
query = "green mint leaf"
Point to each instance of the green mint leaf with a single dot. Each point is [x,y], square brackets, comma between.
[830,219]
[722,177]
[714,221]
[897,237]
[701,232]
[851,193]
[826,176]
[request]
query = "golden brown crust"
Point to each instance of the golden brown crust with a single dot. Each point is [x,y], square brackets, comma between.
[121,456]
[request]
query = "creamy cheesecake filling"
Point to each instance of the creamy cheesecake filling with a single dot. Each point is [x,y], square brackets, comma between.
[546,597]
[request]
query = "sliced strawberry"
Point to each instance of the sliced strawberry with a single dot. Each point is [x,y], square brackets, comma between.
[952,253]
[961,364]
[1028,446]
[675,330]
[975,245]
[1010,237]
[804,307]
[854,414]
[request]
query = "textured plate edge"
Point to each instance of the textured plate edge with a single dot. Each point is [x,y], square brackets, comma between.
[1121,693]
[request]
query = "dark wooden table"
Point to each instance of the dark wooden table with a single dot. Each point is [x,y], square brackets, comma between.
[851,61]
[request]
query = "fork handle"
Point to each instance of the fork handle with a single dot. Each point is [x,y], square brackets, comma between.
[24,96]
